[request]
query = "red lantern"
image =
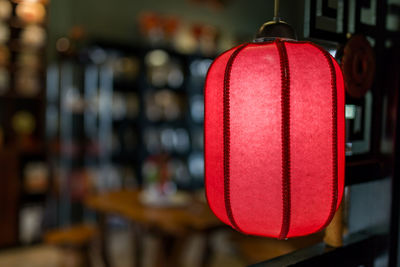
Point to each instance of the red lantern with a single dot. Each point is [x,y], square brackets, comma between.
[274,138]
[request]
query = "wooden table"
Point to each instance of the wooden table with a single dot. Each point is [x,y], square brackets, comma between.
[171,224]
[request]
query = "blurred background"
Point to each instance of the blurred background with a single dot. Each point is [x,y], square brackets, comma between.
[101,129]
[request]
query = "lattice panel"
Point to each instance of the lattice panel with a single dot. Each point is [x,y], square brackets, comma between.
[332,20]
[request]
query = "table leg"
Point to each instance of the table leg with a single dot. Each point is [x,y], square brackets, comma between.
[104,239]
[168,255]
[85,256]
[207,252]
[138,243]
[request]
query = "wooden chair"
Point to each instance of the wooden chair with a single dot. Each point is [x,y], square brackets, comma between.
[76,238]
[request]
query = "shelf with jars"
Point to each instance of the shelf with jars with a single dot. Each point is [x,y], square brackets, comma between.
[126,117]
[23,34]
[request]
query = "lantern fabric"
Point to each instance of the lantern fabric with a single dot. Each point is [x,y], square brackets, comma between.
[274,138]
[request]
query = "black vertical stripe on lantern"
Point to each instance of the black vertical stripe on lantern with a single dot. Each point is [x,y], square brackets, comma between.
[285,104]
[226,141]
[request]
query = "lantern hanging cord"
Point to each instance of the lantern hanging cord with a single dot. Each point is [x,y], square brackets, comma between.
[276,10]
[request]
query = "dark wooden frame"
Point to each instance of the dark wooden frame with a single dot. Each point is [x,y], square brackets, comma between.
[363,248]
[359,250]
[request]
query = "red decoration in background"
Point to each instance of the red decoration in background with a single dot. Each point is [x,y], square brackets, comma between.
[149,21]
[274,138]
[358,65]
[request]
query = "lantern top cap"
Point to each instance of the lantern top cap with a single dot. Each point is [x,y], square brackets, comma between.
[277,28]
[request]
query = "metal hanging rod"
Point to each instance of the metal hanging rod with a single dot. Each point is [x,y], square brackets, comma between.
[276,10]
